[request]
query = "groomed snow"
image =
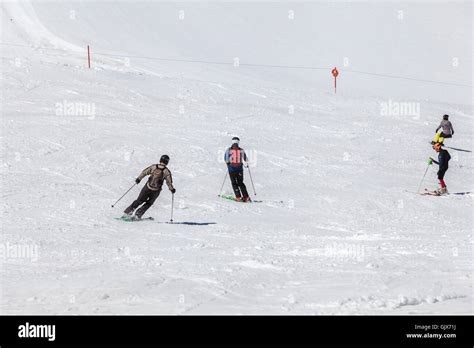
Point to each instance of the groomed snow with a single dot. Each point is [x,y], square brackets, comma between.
[351,236]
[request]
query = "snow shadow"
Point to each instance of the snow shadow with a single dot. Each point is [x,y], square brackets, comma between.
[190,223]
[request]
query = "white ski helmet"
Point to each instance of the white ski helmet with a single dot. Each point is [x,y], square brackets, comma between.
[235,140]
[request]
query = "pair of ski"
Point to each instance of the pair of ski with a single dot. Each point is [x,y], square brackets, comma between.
[430,193]
[232,198]
[134,219]
[149,218]
[427,192]
[452,148]
[171,222]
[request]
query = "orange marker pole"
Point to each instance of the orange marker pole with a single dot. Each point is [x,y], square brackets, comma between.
[335,72]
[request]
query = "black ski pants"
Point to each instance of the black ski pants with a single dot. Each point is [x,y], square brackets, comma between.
[237,181]
[446,136]
[146,196]
[441,172]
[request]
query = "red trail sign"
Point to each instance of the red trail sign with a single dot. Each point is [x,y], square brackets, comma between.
[335,72]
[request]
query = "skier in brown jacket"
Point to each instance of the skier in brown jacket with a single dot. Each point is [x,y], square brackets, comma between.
[158,174]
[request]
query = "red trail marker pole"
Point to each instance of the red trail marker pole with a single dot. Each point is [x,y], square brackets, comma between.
[335,72]
[89,56]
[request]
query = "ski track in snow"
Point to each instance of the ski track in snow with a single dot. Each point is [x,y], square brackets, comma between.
[346,239]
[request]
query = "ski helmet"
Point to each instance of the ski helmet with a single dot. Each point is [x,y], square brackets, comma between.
[235,140]
[165,159]
[445,117]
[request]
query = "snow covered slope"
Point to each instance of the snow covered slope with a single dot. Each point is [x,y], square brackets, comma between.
[349,236]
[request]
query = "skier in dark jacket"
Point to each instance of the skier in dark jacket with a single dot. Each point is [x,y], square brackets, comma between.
[443,159]
[234,158]
[158,174]
[447,130]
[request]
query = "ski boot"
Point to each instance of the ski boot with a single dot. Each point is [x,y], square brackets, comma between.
[136,218]
[238,199]
[442,191]
[246,199]
[127,216]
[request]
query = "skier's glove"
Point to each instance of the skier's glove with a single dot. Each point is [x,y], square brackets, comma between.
[137,180]
[430,161]
[173,191]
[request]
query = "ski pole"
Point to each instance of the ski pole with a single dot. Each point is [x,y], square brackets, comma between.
[423,178]
[251,180]
[172,207]
[123,195]
[225,177]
